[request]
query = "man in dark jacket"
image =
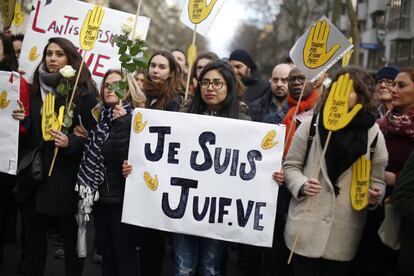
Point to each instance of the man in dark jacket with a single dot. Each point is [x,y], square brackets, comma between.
[245,68]
[272,101]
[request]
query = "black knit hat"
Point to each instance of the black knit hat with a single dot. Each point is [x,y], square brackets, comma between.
[244,57]
[387,73]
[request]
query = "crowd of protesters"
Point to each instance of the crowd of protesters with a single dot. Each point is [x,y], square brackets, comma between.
[336,239]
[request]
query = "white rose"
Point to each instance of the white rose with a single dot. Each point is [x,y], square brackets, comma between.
[67,72]
[138,35]
[128,25]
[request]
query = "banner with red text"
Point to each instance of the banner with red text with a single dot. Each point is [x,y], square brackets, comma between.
[203,175]
[64,18]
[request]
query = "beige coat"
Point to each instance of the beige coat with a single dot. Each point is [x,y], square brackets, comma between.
[330,228]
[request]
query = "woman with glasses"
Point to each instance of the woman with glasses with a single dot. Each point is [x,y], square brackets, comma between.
[384,83]
[216,95]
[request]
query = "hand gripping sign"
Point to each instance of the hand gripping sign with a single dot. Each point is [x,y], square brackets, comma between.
[319,48]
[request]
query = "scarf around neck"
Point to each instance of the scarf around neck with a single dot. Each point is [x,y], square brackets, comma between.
[346,145]
[48,81]
[395,124]
[304,105]
[157,94]
[91,172]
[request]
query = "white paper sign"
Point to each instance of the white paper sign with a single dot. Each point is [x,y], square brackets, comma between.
[9,130]
[319,48]
[64,18]
[209,176]
[200,12]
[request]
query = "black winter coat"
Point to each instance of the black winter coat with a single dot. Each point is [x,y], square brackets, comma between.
[55,195]
[115,151]
[256,87]
[263,106]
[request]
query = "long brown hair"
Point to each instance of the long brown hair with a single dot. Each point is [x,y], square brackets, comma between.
[165,91]
[86,83]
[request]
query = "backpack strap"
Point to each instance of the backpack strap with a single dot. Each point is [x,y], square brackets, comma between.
[372,147]
[312,132]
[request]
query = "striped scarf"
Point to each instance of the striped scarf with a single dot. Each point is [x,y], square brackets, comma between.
[92,169]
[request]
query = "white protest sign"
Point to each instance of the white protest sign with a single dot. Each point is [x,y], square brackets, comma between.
[200,12]
[64,18]
[9,131]
[203,175]
[319,48]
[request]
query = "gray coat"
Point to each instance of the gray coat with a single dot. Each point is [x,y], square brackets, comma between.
[330,228]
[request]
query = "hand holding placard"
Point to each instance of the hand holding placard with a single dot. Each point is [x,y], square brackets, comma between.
[315,53]
[361,172]
[198,10]
[335,113]
[90,28]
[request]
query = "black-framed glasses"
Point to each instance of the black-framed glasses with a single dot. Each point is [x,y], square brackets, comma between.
[205,84]
[300,79]
[388,82]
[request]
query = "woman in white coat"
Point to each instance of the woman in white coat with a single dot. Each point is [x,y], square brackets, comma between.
[329,228]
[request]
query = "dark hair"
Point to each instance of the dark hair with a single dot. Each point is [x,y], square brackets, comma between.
[17,37]
[169,86]
[9,61]
[74,59]
[205,55]
[364,85]
[230,105]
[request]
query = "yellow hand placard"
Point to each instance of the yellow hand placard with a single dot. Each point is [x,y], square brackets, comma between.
[315,52]
[18,15]
[198,10]
[191,53]
[361,174]
[90,28]
[4,103]
[7,12]
[138,124]
[268,141]
[335,112]
[152,182]
[49,119]
[347,56]
[33,54]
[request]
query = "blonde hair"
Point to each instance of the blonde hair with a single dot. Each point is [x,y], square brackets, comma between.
[133,95]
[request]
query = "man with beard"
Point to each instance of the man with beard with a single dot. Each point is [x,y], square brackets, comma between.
[247,70]
[272,101]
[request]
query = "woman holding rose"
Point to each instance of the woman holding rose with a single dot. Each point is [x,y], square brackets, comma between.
[54,198]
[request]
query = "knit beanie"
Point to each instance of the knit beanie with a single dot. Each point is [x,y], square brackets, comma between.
[244,57]
[387,73]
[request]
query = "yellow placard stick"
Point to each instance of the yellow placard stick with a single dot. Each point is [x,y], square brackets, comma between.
[190,65]
[136,18]
[88,35]
[347,56]
[336,116]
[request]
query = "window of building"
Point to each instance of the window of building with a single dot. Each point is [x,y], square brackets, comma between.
[399,14]
[378,21]
[401,53]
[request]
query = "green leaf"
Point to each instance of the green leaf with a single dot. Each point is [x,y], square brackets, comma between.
[113,86]
[135,50]
[140,63]
[70,114]
[61,88]
[120,93]
[124,58]
[67,121]
[131,68]
[123,84]
[129,43]
[122,49]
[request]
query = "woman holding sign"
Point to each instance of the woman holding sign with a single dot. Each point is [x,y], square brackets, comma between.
[216,95]
[54,198]
[100,176]
[327,211]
